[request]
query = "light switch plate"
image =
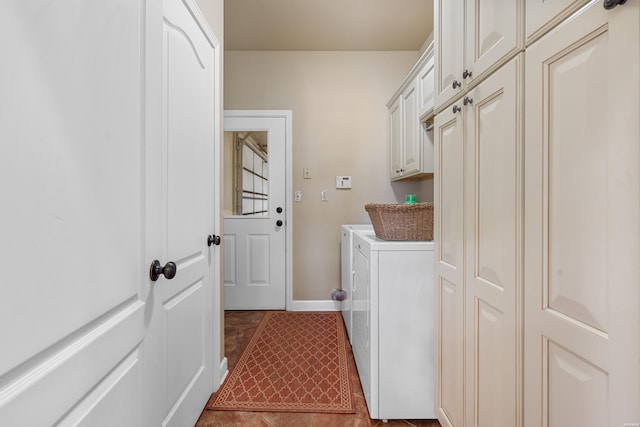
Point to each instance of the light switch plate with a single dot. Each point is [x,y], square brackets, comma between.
[343,182]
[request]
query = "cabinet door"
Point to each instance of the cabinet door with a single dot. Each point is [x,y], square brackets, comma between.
[493,226]
[449,49]
[582,221]
[395,138]
[542,15]
[411,149]
[493,35]
[448,229]
[426,87]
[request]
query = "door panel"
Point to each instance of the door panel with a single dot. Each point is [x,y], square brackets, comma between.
[255,246]
[179,346]
[411,152]
[494,34]
[396,136]
[70,309]
[449,373]
[493,210]
[448,230]
[449,41]
[491,355]
[582,196]
[543,15]
[576,389]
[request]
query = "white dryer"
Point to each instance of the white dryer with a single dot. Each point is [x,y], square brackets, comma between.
[346,250]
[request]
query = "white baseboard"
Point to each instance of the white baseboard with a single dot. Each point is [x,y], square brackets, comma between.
[224,371]
[315,305]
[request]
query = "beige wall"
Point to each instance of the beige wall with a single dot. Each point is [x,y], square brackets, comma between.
[340,127]
[213,11]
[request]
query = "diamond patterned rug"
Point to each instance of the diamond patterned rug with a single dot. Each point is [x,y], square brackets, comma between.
[295,362]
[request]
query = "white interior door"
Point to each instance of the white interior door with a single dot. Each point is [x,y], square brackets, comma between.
[179,346]
[582,222]
[72,180]
[256,218]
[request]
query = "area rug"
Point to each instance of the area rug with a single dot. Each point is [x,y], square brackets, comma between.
[294,362]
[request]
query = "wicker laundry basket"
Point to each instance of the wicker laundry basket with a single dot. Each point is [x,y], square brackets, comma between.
[402,222]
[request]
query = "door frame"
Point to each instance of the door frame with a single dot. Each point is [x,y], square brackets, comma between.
[287,116]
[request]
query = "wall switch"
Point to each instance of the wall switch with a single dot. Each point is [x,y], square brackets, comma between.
[323,196]
[298,196]
[306,174]
[343,182]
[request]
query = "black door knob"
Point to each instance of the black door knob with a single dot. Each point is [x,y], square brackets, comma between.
[610,4]
[279,209]
[213,240]
[169,270]
[279,223]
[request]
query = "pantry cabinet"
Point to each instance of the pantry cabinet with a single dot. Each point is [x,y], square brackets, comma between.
[411,146]
[478,227]
[582,222]
[473,39]
[534,306]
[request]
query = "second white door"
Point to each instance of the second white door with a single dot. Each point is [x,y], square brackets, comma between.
[255,236]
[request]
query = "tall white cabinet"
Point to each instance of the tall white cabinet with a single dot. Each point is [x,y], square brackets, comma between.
[582,221]
[537,248]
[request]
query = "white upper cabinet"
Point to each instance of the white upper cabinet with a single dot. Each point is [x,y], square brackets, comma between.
[449,49]
[473,39]
[395,137]
[411,146]
[426,86]
[543,15]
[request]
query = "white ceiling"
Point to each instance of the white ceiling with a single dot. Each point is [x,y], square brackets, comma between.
[327,24]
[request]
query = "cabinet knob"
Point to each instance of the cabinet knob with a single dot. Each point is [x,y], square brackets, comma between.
[467,100]
[456,84]
[610,4]
[456,109]
[467,73]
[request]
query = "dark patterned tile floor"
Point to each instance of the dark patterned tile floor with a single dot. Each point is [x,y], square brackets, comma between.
[238,329]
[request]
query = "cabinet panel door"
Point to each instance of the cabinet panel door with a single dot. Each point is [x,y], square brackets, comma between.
[582,222]
[411,150]
[493,35]
[426,84]
[493,211]
[448,228]
[449,49]
[395,138]
[542,15]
